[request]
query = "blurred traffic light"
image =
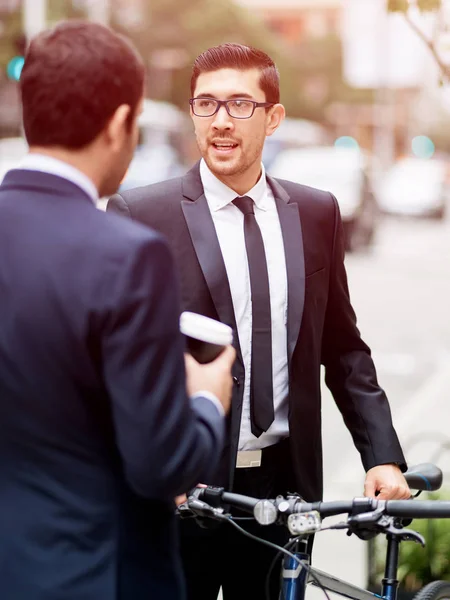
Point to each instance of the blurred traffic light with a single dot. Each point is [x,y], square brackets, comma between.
[15,65]
[422,146]
[346,141]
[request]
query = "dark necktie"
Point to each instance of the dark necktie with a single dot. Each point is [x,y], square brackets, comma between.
[261,384]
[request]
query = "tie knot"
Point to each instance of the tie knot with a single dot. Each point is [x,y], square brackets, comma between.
[244,204]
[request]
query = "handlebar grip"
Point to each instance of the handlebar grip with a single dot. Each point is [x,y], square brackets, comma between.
[216,497]
[328,509]
[418,509]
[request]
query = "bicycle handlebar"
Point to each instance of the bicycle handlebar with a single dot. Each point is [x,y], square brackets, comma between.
[366,516]
[286,506]
[417,509]
[293,505]
[210,502]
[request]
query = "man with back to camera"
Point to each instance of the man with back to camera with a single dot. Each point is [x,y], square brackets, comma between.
[266,257]
[97,432]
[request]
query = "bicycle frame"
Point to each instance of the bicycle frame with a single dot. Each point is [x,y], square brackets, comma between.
[296,577]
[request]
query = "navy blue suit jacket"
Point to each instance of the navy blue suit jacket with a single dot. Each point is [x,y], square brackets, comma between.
[97,434]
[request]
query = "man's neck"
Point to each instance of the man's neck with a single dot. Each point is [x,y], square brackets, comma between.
[242,183]
[78,159]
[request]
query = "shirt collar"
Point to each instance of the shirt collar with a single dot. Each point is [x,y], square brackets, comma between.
[220,195]
[53,166]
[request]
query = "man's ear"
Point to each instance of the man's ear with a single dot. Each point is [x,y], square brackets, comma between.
[118,126]
[274,118]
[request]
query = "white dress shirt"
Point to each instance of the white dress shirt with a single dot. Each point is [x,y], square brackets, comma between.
[53,166]
[229,224]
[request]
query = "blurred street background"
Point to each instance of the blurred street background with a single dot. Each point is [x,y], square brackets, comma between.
[366,85]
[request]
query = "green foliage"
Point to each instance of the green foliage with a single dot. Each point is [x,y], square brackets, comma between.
[404,5]
[61,9]
[429,5]
[190,26]
[12,25]
[397,5]
[322,58]
[195,25]
[13,30]
[418,566]
[440,134]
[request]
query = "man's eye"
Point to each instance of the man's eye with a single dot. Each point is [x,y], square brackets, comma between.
[204,103]
[240,104]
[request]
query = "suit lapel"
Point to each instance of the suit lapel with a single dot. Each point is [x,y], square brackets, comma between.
[206,244]
[204,238]
[295,261]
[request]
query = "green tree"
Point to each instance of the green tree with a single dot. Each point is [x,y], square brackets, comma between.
[418,566]
[425,6]
[405,5]
[191,26]
[12,30]
[321,60]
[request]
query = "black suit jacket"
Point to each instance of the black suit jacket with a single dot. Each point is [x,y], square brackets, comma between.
[321,321]
[97,434]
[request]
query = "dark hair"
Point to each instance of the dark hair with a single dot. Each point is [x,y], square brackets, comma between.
[75,77]
[238,56]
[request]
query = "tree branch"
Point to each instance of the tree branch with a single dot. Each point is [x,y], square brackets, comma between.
[445,69]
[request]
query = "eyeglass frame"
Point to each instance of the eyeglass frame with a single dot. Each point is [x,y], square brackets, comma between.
[221,103]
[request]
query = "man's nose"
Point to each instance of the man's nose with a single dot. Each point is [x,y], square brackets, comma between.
[222,120]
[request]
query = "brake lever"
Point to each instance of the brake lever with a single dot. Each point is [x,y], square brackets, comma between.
[184,512]
[406,535]
[368,518]
[366,525]
[198,509]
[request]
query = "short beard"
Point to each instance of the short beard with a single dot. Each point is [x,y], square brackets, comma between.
[228,170]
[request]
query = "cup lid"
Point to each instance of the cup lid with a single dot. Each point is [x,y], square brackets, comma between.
[205,329]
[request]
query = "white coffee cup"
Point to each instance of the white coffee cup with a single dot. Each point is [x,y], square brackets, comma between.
[205,337]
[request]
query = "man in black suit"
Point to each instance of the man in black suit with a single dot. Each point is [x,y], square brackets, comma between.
[266,257]
[97,431]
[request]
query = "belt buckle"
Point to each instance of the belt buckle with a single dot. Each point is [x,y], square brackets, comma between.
[248,458]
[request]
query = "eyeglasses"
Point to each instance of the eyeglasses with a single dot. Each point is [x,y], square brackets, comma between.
[238,108]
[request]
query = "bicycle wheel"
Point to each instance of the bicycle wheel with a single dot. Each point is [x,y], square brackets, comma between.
[436,590]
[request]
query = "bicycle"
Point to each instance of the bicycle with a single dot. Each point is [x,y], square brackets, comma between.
[366,517]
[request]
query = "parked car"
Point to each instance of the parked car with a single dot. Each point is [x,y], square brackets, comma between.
[345,172]
[415,187]
[152,163]
[294,133]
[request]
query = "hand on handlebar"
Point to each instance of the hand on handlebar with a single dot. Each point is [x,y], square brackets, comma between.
[183,497]
[386,482]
